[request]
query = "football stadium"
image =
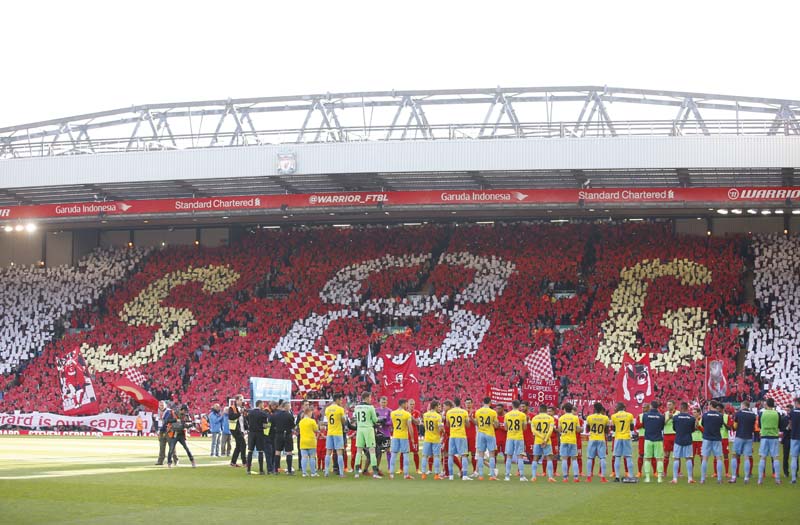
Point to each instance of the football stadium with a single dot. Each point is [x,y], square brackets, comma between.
[513,304]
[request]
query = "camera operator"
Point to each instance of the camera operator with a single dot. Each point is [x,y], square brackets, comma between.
[177,423]
[256,419]
[282,423]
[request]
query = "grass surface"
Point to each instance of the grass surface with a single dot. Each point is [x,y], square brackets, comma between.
[113,480]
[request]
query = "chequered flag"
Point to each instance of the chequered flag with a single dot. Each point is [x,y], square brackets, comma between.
[781,397]
[135,375]
[539,365]
[311,371]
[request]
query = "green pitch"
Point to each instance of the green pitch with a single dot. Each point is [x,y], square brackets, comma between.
[113,480]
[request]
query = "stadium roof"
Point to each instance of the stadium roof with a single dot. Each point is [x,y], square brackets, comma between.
[513,119]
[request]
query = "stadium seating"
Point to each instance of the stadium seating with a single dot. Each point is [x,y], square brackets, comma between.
[471,301]
[33,301]
[774,350]
[677,307]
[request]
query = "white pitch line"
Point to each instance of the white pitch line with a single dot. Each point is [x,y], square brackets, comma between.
[92,472]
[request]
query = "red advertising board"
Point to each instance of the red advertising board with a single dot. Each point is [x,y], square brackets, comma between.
[730,196]
[541,391]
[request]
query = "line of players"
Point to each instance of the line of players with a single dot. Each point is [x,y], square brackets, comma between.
[457,432]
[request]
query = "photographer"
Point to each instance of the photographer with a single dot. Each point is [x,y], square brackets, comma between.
[282,423]
[177,424]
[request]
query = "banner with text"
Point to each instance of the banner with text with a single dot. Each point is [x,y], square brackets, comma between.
[718,195]
[501,395]
[102,422]
[540,391]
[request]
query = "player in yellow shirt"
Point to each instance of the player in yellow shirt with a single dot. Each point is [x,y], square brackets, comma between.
[486,443]
[542,426]
[515,423]
[569,427]
[309,430]
[334,418]
[457,420]
[597,424]
[432,441]
[623,424]
[401,422]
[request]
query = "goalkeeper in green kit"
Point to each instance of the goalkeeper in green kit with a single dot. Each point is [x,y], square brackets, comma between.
[366,419]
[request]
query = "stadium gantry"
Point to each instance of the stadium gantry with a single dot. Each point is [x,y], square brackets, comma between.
[527,112]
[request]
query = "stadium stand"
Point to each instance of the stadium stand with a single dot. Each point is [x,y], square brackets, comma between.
[774,350]
[34,301]
[471,301]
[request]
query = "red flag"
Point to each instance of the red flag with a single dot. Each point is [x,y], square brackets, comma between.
[635,382]
[135,375]
[400,380]
[539,365]
[142,396]
[782,398]
[77,391]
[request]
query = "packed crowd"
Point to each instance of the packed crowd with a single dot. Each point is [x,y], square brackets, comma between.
[34,302]
[470,301]
[673,298]
[774,349]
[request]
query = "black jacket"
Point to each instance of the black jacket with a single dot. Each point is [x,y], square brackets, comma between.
[282,422]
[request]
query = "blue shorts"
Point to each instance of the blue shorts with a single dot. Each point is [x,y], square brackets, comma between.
[597,449]
[794,447]
[743,447]
[515,448]
[431,449]
[543,450]
[485,442]
[399,446]
[769,447]
[682,452]
[711,448]
[334,443]
[568,450]
[457,446]
[622,447]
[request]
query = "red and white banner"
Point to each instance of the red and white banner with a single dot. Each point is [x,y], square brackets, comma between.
[539,364]
[142,396]
[400,381]
[635,382]
[541,392]
[502,395]
[719,196]
[77,390]
[716,383]
[102,422]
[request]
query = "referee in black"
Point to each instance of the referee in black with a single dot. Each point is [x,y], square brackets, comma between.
[282,424]
[256,419]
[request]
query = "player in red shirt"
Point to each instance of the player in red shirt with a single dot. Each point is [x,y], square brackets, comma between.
[471,432]
[527,433]
[500,432]
[554,439]
[322,438]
